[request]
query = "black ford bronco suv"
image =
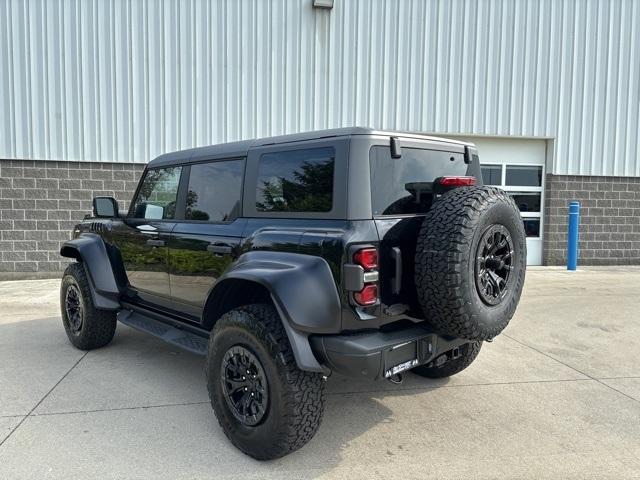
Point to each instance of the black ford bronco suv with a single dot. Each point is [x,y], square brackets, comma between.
[286,259]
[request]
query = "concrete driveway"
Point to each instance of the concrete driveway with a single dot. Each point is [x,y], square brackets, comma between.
[556,396]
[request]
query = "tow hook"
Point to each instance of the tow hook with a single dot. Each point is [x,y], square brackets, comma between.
[396,379]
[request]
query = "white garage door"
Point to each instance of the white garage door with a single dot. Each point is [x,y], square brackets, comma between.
[518,166]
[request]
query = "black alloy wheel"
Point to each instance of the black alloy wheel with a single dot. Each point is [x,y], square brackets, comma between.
[86,326]
[494,262]
[264,403]
[73,307]
[471,262]
[245,386]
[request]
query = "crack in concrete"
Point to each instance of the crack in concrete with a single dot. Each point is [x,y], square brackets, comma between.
[573,368]
[488,384]
[588,378]
[618,378]
[118,409]
[409,389]
[42,399]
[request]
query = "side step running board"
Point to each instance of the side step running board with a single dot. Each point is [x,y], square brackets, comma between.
[175,336]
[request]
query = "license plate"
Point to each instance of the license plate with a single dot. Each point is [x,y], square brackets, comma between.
[401,368]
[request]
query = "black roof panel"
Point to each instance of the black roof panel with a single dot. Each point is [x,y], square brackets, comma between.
[240,149]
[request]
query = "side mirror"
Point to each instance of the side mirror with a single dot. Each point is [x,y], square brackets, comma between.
[105,207]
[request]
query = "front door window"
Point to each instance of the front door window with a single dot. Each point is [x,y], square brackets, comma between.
[156,198]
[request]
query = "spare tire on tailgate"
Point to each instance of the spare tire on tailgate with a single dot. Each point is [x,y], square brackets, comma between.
[470,262]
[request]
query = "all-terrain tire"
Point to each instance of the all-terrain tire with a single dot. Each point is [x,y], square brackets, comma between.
[295,397]
[96,327]
[451,240]
[468,353]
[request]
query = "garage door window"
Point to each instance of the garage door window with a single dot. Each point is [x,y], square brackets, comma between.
[532,227]
[527,201]
[523,176]
[524,184]
[492,174]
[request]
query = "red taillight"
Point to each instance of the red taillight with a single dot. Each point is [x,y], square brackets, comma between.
[457,181]
[368,295]
[367,258]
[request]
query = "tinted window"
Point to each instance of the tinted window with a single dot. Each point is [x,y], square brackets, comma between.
[157,195]
[524,176]
[214,191]
[492,174]
[296,181]
[405,185]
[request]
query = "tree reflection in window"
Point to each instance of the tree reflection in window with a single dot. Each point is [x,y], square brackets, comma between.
[159,189]
[194,213]
[214,191]
[296,181]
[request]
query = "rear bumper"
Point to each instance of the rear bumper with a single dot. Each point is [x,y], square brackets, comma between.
[376,354]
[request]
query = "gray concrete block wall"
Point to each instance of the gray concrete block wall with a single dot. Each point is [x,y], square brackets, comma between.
[609,221]
[41,201]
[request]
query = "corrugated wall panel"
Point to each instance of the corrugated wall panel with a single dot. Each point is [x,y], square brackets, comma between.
[124,81]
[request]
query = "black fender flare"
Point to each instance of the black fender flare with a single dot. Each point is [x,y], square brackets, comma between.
[90,249]
[303,291]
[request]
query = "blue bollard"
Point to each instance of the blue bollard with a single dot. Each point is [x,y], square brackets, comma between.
[572,237]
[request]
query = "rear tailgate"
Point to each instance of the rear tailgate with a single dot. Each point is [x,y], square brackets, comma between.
[402,191]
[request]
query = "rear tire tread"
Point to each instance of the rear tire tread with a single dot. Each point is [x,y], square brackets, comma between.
[304,391]
[99,326]
[443,250]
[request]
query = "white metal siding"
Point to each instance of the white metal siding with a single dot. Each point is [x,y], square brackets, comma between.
[127,80]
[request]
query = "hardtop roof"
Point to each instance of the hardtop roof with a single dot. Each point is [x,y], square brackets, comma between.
[240,149]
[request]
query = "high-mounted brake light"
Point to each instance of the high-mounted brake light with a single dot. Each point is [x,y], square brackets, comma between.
[368,295]
[367,258]
[457,181]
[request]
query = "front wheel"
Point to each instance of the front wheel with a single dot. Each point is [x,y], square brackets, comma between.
[86,326]
[265,405]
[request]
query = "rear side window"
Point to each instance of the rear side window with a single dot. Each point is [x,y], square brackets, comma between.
[296,181]
[214,191]
[404,185]
[156,198]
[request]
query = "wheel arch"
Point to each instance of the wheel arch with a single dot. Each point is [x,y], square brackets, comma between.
[229,294]
[90,250]
[300,287]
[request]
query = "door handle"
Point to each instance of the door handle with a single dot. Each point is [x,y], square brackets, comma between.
[219,249]
[147,229]
[155,243]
